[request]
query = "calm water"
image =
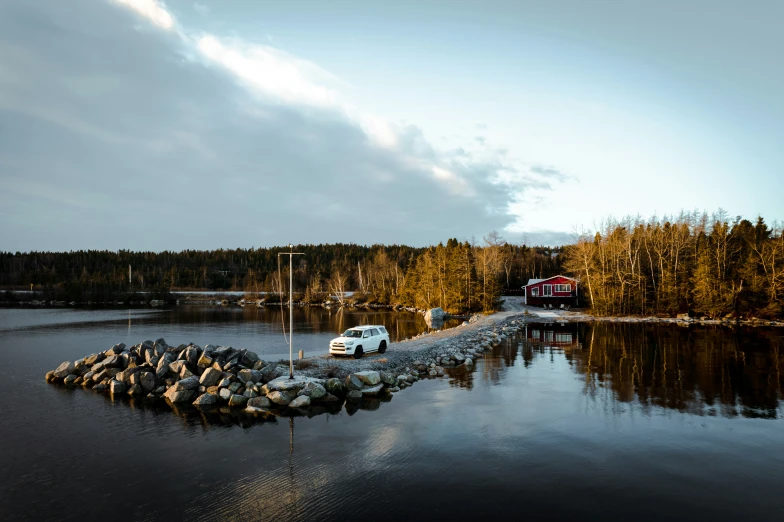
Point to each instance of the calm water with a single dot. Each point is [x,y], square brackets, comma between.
[605,422]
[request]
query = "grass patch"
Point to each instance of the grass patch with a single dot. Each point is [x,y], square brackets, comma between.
[302,364]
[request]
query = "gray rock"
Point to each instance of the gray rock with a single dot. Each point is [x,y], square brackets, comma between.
[116,386]
[353,382]
[313,390]
[175,395]
[302,401]
[354,395]
[233,387]
[69,379]
[280,398]
[225,394]
[159,390]
[372,390]
[147,381]
[205,361]
[259,402]
[387,378]
[249,359]
[458,357]
[64,369]
[210,377]
[259,365]
[269,373]
[335,387]
[189,383]
[100,387]
[439,371]
[224,383]
[368,378]
[185,372]
[206,399]
[176,366]
[94,358]
[118,348]
[249,375]
[136,389]
[393,389]
[192,355]
[469,361]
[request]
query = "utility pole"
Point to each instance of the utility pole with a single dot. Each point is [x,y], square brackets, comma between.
[291,255]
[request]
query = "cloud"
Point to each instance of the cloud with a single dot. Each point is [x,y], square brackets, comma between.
[169,139]
[152,10]
[201,9]
[549,172]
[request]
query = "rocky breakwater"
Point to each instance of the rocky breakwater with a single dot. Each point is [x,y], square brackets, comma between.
[213,376]
[178,374]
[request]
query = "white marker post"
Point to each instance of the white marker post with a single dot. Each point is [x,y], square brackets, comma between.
[291,306]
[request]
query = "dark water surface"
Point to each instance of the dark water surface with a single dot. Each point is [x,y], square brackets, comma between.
[597,422]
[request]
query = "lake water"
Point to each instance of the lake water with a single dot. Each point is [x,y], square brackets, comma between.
[596,422]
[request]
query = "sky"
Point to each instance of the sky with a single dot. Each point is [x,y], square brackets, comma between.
[171,125]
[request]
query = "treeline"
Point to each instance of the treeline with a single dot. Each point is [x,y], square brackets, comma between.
[457,276]
[707,265]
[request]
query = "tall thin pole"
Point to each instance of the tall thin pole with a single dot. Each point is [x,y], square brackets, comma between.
[291,255]
[291,315]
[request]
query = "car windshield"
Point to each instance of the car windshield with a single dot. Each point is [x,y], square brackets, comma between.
[352,333]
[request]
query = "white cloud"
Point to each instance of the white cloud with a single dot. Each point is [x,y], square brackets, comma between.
[152,10]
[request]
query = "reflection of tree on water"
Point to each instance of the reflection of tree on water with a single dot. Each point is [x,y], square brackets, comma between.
[713,371]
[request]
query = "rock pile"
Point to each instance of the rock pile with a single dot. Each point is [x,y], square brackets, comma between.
[153,369]
[219,375]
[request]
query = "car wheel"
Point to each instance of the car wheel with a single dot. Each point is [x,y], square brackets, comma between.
[382,347]
[358,353]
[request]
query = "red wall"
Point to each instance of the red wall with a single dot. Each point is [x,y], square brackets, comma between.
[554,281]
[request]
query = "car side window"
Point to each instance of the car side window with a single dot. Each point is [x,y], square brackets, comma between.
[382,330]
[366,334]
[373,332]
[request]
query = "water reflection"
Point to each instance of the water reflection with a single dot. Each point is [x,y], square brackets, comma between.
[704,371]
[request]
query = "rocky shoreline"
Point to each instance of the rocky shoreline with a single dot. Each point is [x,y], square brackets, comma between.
[225,378]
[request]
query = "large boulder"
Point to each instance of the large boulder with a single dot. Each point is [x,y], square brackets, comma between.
[205,399]
[147,381]
[176,366]
[372,390]
[354,395]
[369,378]
[175,395]
[189,383]
[294,385]
[281,398]
[387,378]
[302,401]
[64,369]
[435,317]
[237,400]
[94,358]
[117,348]
[249,359]
[259,402]
[269,373]
[246,375]
[192,355]
[353,383]
[116,386]
[112,361]
[205,361]
[335,387]
[313,390]
[210,377]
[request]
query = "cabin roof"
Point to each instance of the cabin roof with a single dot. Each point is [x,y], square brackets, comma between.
[532,282]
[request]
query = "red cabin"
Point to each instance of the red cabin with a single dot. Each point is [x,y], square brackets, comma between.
[554,291]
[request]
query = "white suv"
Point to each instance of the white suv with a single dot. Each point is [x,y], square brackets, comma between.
[360,340]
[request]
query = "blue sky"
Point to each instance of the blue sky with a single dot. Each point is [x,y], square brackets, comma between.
[145,124]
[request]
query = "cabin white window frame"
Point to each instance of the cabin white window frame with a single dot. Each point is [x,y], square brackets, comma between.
[534,291]
[563,288]
[547,290]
